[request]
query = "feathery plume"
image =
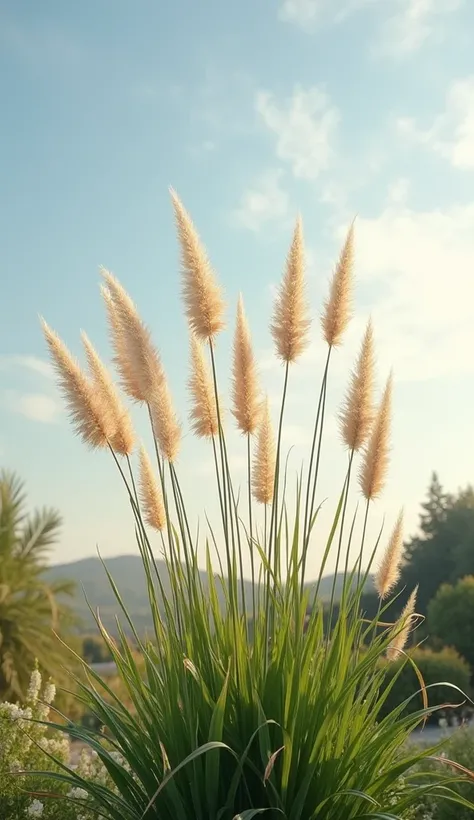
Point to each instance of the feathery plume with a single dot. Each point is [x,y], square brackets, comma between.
[91,418]
[122,440]
[202,295]
[357,414]
[150,494]
[388,571]
[406,618]
[290,324]
[375,464]
[337,308]
[203,414]
[136,357]
[263,477]
[245,390]
[122,359]
[165,424]
[142,373]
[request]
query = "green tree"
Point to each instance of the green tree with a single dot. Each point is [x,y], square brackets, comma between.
[94,650]
[451,617]
[443,550]
[31,610]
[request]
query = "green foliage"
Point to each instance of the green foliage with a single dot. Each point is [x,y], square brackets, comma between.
[451,616]
[27,747]
[460,749]
[434,667]
[30,608]
[443,552]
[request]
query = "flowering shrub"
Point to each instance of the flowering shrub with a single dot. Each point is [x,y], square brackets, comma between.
[27,746]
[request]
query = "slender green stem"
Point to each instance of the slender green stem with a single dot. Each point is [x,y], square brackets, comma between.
[341,535]
[311,486]
[251,549]
[227,499]
[364,529]
[274,513]
[322,392]
[173,562]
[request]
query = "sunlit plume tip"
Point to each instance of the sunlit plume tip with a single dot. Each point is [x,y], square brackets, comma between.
[203,415]
[122,440]
[338,307]
[376,455]
[151,496]
[245,388]
[263,474]
[91,418]
[290,322]
[403,628]
[357,413]
[388,571]
[202,295]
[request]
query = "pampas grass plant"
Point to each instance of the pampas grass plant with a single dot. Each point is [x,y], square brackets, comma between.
[246,707]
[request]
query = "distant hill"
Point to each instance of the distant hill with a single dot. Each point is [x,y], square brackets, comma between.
[127,572]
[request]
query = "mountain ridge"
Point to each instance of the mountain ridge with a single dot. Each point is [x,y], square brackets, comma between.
[92,586]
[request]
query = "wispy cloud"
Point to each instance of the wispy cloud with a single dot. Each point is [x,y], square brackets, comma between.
[403,26]
[31,363]
[265,201]
[412,24]
[418,263]
[34,406]
[29,370]
[304,126]
[451,134]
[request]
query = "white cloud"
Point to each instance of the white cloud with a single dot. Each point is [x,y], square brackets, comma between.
[405,25]
[263,202]
[32,363]
[34,406]
[304,126]
[413,23]
[451,135]
[302,12]
[420,267]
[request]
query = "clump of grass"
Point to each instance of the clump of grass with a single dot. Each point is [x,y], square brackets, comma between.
[246,706]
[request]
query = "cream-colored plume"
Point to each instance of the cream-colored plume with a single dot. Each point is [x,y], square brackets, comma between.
[122,439]
[357,413]
[245,390]
[388,571]
[91,417]
[151,497]
[142,373]
[406,620]
[290,323]
[203,415]
[201,292]
[136,357]
[263,474]
[376,456]
[338,307]
[120,345]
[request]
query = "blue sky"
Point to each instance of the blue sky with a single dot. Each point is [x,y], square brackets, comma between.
[252,111]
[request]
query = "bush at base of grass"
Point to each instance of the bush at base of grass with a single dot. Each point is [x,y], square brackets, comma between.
[445,666]
[459,748]
[25,746]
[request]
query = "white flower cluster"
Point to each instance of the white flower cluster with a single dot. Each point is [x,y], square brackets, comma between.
[24,736]
[35,809]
